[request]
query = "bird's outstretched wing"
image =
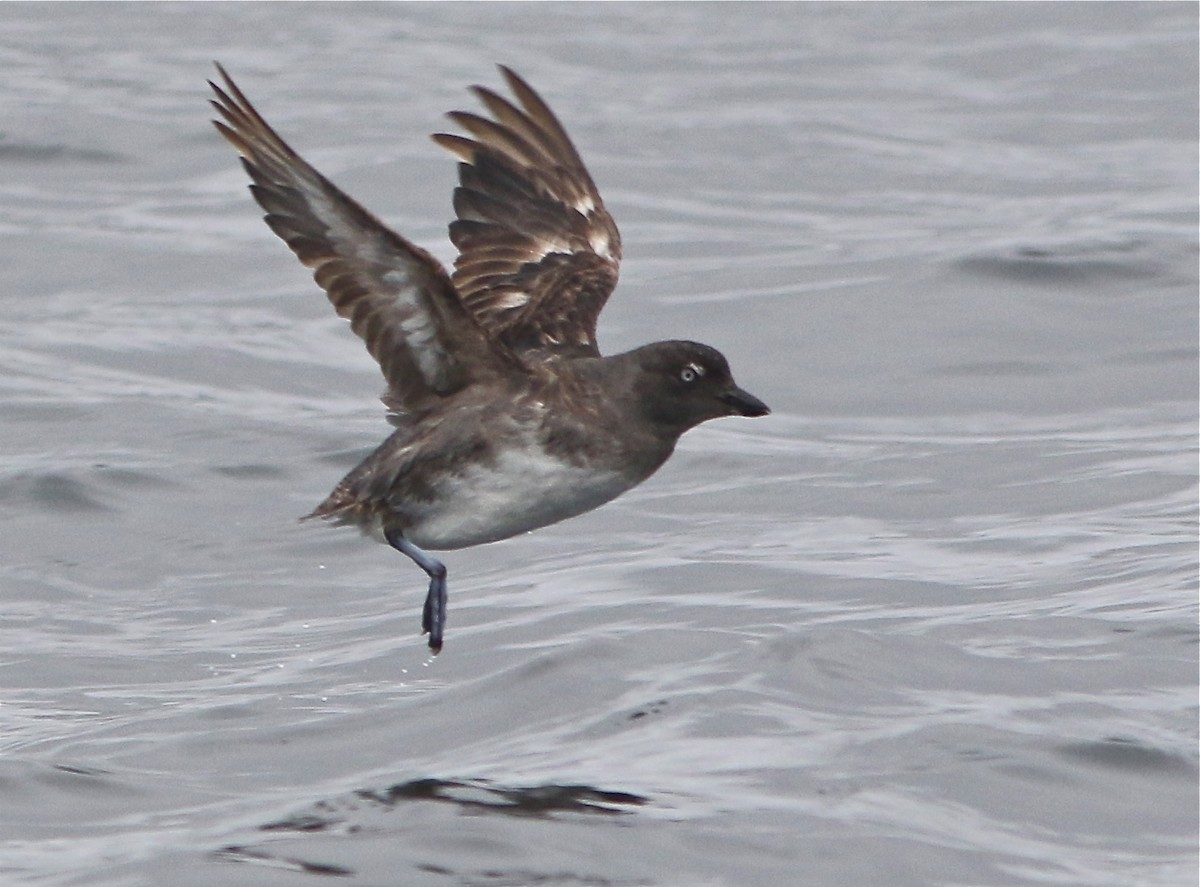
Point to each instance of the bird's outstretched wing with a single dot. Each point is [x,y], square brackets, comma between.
[397,297]
[538,252]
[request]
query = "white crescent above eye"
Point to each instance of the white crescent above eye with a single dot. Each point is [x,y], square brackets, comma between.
[691,372]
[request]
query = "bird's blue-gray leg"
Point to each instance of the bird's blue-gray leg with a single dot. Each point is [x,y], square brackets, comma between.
[433,617]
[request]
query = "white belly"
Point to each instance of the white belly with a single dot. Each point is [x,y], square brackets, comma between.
[521,491]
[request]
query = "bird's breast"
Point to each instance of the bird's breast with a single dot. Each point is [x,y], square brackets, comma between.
[519,489]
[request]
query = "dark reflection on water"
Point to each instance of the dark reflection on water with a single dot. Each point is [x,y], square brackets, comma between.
[236,853]
[29,152]
[1122,753]
[537,800]
[346,817]
[469,795]
[50,490]
[1072,262]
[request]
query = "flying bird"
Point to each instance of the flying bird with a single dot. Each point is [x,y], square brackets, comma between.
[507,417]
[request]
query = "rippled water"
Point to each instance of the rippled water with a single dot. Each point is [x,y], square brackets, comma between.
[933,622]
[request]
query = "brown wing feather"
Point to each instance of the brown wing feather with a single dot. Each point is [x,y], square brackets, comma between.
[538,252]
[396,296]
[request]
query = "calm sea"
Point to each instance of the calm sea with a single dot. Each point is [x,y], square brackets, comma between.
[934,622]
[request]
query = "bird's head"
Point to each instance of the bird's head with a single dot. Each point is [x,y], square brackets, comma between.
[679,384]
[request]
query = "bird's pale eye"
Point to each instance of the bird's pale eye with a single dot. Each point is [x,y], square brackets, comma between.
[691,372]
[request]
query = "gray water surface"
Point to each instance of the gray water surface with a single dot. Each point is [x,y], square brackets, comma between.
[933,622]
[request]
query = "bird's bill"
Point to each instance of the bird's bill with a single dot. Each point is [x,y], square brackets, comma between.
[743,403]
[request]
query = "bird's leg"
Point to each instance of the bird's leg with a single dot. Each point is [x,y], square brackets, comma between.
[433,617]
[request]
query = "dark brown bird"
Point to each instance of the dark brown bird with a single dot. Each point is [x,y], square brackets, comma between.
[507,416]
